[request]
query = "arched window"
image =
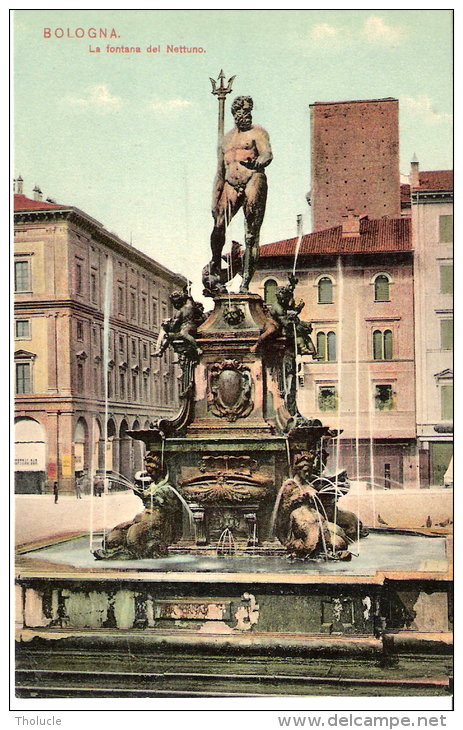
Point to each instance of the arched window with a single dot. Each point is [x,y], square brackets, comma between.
[377,345]
[382,345]
[270,291]
[382,293]
[326,346]
[325,290]
[331,345]
[387,342]
[321,345]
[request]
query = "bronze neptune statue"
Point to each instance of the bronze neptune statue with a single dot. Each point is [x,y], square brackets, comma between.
[240,182]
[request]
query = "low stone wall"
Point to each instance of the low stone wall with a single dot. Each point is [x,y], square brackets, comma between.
[405,508]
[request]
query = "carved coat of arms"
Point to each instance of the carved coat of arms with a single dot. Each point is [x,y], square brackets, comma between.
[230,390]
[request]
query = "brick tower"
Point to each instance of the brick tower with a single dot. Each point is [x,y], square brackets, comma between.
[355,160]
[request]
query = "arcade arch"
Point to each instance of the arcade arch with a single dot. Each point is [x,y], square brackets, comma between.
[81,446]
[30,456]
[138,450]
[110,454]
[125,451]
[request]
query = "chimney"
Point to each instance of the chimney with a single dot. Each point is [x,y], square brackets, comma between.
[299,225]
[37,193]
[18,185]
[350,225]
[414,173]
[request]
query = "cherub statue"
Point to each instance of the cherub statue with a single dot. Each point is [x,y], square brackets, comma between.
[150,532]
[285,319]
[286,312]
[182,326]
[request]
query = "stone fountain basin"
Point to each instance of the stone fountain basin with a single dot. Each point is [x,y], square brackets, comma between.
[382,552]
[399,583]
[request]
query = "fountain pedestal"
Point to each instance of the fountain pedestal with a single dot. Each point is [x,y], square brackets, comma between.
[229,449]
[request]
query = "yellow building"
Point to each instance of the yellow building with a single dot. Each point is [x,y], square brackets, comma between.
[431,195]
[69,271]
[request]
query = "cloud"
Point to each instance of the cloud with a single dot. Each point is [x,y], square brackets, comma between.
[98,97]
[169,107]
[375,30]
[423,106]
[324,32]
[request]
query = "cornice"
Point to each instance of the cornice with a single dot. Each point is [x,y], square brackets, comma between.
[309,261]
[431,196]
[33,305]
[99,234]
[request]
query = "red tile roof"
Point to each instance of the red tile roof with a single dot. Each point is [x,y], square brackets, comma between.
[432,180]
[378,235]
[22,202]
[436,180]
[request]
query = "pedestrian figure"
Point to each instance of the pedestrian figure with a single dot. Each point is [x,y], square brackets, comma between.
[85,482]
[55,491]
[98,487]
[79,481]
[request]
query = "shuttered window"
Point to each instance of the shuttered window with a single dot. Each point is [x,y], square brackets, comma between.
[446,228]
[23,377]
[325,291]
[446,393]
[446,279]
[270,292]
[446,334]
[381,288]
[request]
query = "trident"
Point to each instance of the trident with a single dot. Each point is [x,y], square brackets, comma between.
[221,92]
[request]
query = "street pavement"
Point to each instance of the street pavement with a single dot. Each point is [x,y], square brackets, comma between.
[37,517]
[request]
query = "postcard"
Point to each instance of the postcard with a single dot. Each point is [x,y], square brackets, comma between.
[233,364]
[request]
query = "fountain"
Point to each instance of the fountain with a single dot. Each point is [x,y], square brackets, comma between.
[242,550]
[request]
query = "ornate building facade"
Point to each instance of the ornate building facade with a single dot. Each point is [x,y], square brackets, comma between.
[432,222]
[69,272]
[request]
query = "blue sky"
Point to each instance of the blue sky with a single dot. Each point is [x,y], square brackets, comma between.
[131,138]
